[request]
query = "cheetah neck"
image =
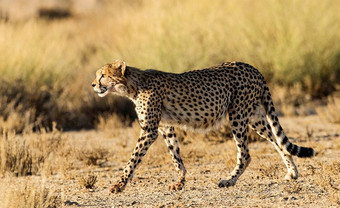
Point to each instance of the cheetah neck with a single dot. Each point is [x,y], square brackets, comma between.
[134,77]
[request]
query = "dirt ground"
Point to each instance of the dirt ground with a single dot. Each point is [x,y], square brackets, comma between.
[261,185]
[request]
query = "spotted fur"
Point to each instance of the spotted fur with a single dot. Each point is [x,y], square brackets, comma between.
[199,100]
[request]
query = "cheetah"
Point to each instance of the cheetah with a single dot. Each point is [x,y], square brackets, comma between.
[198,100]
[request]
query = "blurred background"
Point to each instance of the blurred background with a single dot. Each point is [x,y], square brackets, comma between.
[50,50]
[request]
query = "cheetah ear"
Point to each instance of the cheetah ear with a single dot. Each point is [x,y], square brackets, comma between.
[121,65]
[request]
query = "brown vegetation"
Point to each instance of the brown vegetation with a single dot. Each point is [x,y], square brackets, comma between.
[49,54]
[32,193]
[331,112]
[87,181]
[46,77]
[27,154]
[77,182]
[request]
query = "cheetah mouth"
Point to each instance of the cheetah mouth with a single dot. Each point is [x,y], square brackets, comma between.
[103,92]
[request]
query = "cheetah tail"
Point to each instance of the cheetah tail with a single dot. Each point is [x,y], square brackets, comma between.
[281,138]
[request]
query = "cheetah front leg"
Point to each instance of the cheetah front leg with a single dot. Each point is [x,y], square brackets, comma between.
[149,133]
[147,137]
[171,141]
[240,134]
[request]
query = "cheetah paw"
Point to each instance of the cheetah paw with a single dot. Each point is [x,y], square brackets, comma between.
[118,187]
[291,176]
[176,186]
[226,183]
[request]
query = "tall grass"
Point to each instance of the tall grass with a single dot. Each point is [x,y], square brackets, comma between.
[46,67]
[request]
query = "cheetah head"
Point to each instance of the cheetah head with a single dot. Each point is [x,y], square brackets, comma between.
[110,78]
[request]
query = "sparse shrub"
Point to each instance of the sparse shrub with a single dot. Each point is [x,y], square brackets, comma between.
[15,155]
[93,155]
[27,154]
[87,181]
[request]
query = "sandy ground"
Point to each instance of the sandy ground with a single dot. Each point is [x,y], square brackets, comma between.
[262,184]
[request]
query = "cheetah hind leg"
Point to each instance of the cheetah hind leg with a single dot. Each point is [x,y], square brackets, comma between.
[171,141]
[240,134]
[260,125]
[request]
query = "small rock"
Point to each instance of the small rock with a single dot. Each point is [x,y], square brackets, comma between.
[71,203]
[293,198]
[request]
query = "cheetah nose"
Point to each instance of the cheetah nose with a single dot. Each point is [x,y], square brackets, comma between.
[93,84]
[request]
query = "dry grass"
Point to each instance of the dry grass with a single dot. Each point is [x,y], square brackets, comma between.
[93,155]
[331,112]
[46,68]
[30,153]
[46,77]
[207,161]
[112,124]
[215,136]
[87,181]
[31,194]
